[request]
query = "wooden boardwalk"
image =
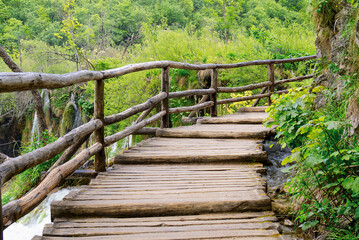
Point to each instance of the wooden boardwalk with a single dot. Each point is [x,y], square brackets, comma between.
[198,182]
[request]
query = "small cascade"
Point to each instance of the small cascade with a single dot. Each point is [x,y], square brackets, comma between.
[113,150]
[46,99]
[35,127]
[276,177]
[77,119]
[33,223]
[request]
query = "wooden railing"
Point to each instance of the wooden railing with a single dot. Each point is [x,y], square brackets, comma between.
[72,141]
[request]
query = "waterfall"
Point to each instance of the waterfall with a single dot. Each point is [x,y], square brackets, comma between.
[113,150]
[33,223]
[35,127]
[46,98]
[77,119]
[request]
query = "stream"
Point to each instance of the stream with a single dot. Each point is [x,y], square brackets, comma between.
[33,223]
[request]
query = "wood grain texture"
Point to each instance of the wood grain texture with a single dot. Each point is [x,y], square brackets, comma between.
[248,225]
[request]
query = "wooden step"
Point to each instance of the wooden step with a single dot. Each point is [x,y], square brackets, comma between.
[252,109]
[193,150]
[162,190]
[246,131]
[236,118]
[248,225]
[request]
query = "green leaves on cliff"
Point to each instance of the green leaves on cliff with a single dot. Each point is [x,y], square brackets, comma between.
[325,161]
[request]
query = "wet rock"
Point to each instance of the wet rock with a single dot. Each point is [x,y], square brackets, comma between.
[287,222]
[281,207]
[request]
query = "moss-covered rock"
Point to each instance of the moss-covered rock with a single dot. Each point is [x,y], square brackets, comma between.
[67,119]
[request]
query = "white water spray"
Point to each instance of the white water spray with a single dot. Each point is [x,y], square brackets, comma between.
[33,223]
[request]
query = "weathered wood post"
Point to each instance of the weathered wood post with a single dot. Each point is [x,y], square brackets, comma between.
[214,85]
[271,80]
[165,87]
[100,157]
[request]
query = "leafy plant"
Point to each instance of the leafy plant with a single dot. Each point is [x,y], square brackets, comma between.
[325,161]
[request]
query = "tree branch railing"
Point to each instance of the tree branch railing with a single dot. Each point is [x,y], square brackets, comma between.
[72,141]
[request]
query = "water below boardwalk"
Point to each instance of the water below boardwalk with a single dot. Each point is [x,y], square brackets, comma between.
[33,223]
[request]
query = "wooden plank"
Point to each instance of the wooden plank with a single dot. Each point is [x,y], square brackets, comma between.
[252,109]
[216,131]
[237,118]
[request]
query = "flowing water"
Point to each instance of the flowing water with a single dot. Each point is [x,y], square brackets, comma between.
[35,127]
[77,119]
[275,176]
[33,223]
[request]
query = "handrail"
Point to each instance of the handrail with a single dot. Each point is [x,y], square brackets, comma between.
[10,82]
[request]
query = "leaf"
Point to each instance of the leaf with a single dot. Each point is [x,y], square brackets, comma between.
[333,124]
[294,157]
[357,213]
[311,161]
[305,226]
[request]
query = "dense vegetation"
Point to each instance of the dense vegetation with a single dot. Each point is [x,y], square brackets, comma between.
[68,35]
[320,124]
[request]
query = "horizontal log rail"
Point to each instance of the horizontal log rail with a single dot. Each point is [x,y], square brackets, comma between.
[241,99]
[192,108]
[10,82]
[18,208]
[132,129]
[243,89]
[72,141]
[192,92]
[17,165]
[135,109]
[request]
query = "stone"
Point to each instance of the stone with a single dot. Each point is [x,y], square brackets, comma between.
[287,222]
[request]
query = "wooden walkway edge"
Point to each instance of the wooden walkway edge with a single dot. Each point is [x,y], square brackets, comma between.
[197,182]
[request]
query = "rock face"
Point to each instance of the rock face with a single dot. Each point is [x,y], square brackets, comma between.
[337,46]
[10,135]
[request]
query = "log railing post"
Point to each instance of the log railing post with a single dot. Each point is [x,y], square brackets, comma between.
[165,87]
[100,157]
[271,80]
[213,97]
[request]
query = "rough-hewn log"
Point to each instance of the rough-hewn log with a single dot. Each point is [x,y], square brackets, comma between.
[153,101]
[19,164]
[204,99]
[10,82]
[271,80]
[191,108]
[213,97]
[144,114]
[146,131]
[192,92]
[296,79]
[244,88]
[258,99]
[99,102]
[68,153]
[161,64]
[240,99]
[132,129]
[190,120]
[18,208]
[3,158]
[165,87]
[83,174]
[282,92]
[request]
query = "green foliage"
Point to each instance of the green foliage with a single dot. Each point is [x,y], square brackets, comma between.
[28,179]
[325,161]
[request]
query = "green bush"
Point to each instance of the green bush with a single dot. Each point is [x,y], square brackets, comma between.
[325,161]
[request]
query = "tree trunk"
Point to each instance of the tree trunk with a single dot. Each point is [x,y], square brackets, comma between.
[35,93]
